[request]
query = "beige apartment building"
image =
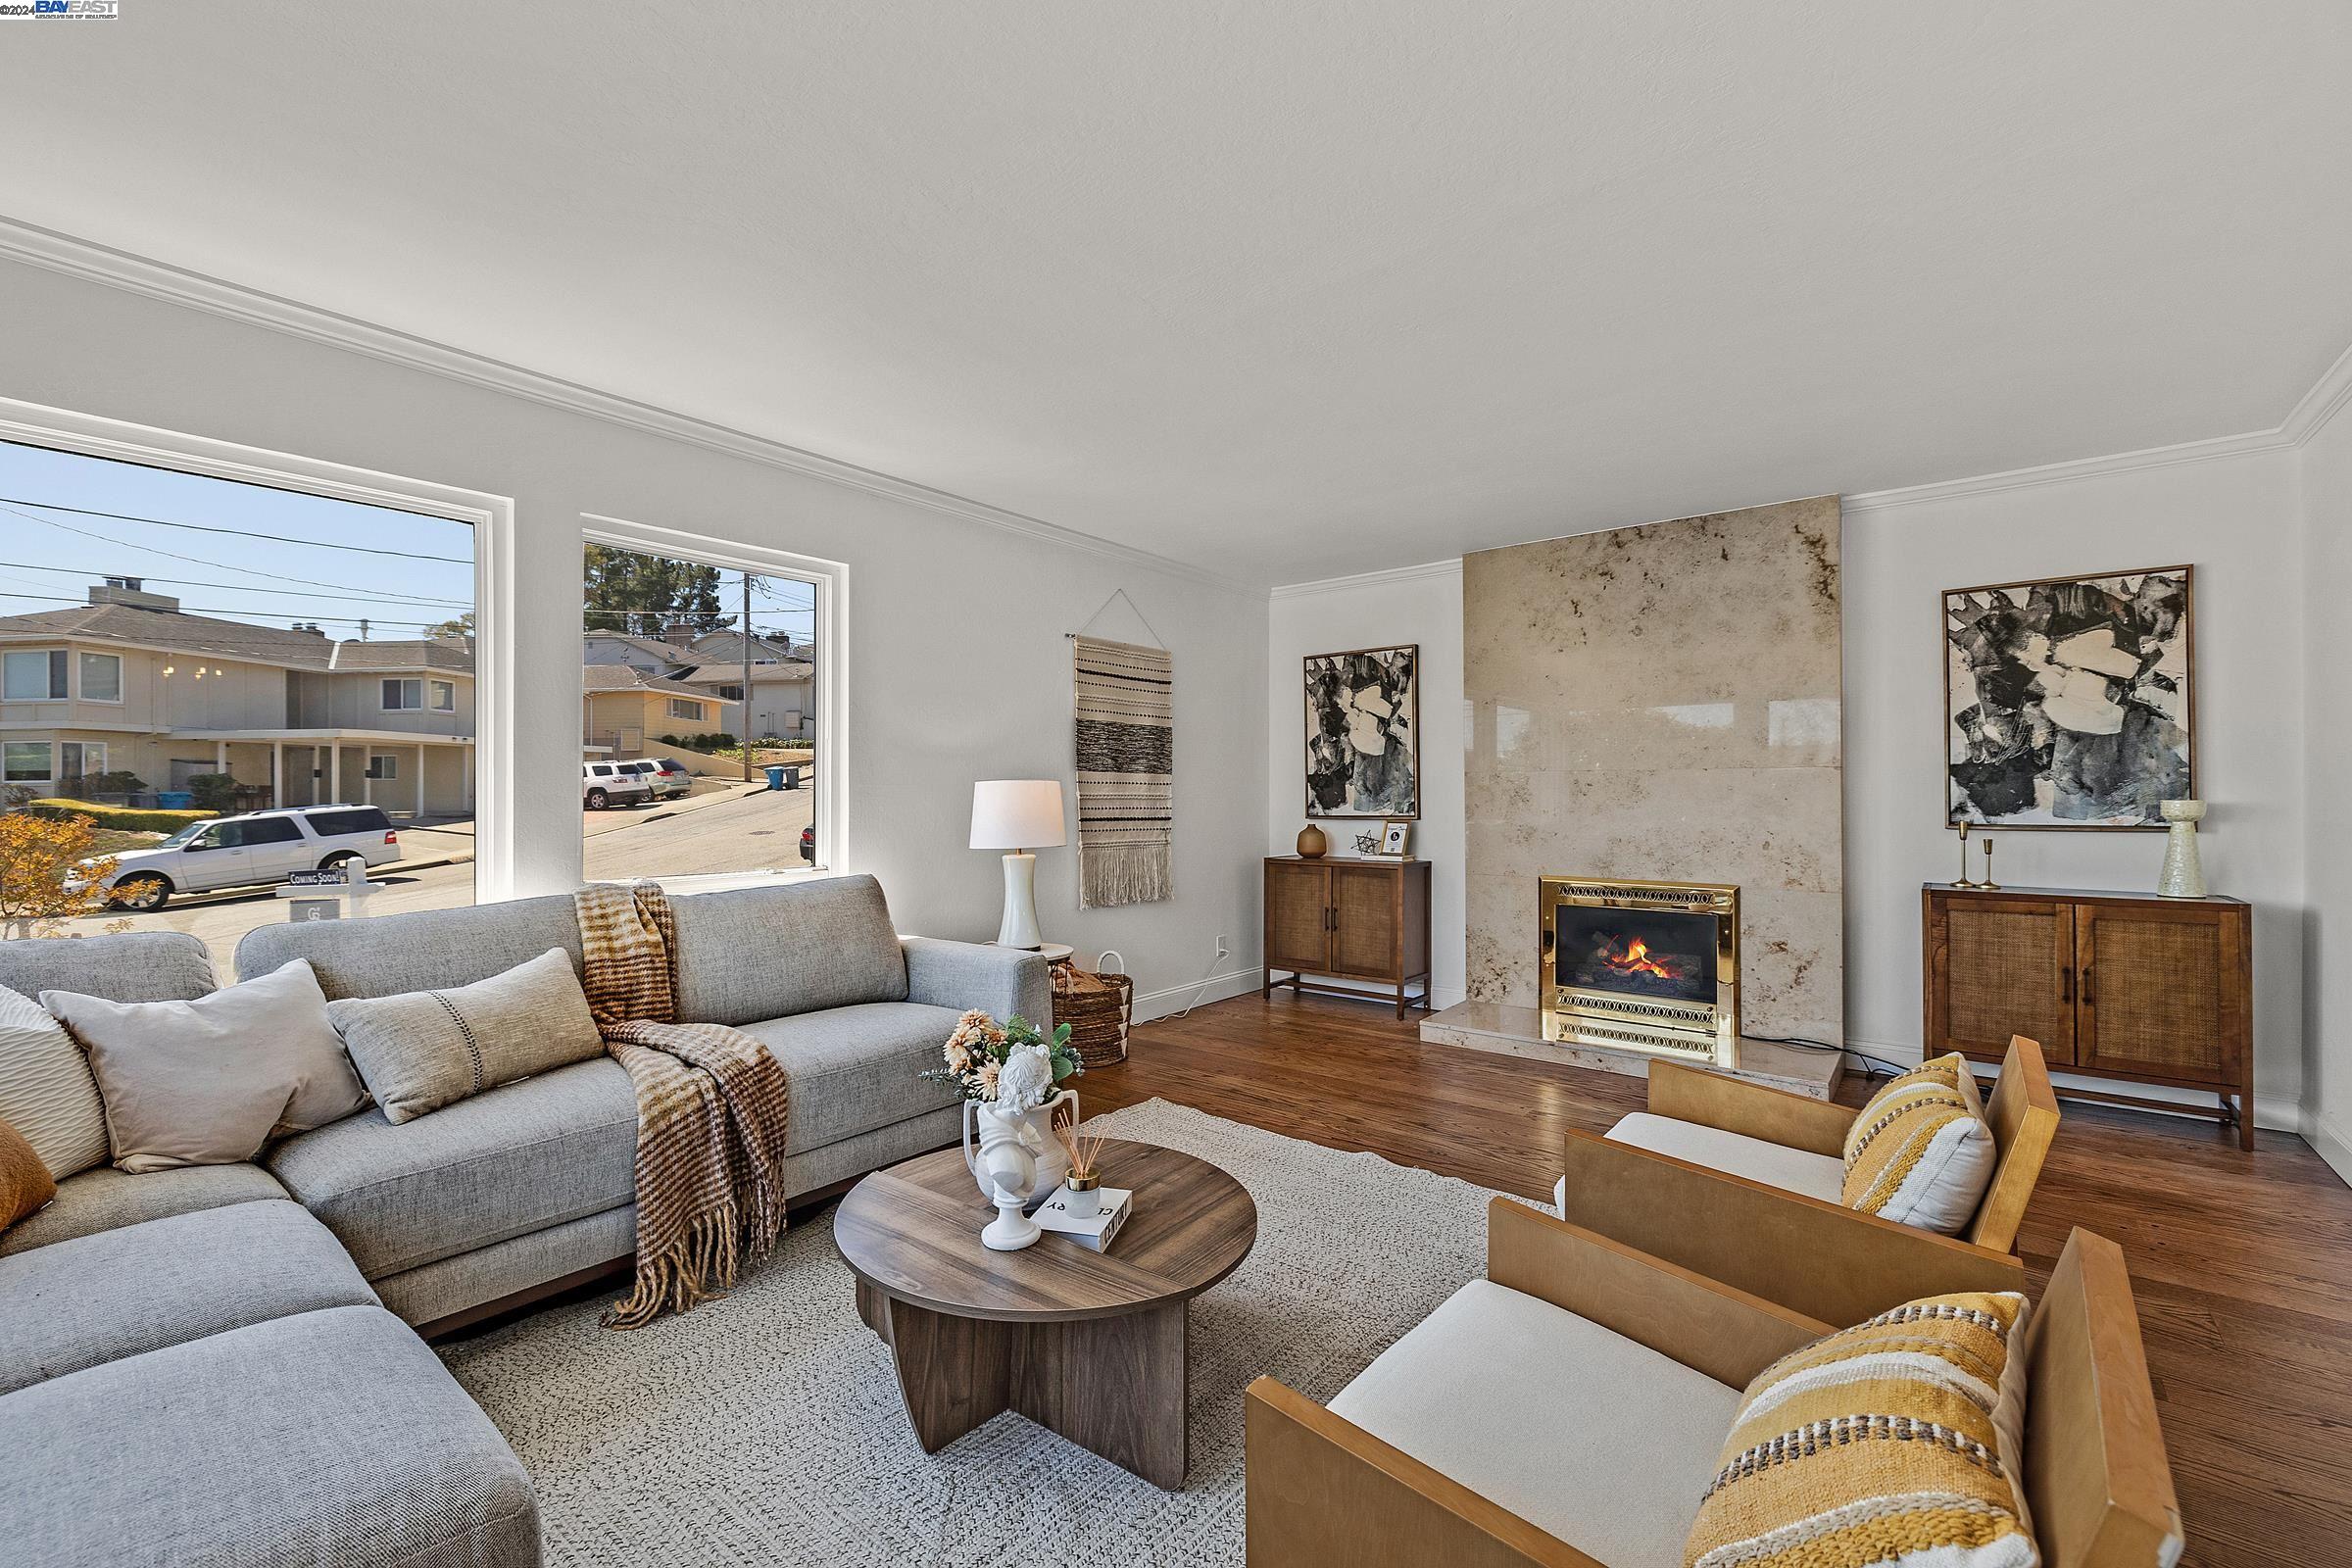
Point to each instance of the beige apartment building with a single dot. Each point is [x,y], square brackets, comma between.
[131,683]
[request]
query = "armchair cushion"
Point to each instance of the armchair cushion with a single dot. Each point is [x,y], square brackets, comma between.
[1891,1443]
[1921,1153]
[1791,1170]
[1600,1442]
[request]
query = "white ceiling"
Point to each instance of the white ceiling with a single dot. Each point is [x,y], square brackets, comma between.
[1283,290]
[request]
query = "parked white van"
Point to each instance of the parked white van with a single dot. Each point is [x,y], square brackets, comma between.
[251,850]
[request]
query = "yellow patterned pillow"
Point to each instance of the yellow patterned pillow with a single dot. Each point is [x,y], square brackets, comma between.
[1890,1443]
[1921,1153]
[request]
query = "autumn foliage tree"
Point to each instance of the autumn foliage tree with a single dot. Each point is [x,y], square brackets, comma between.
[36,855]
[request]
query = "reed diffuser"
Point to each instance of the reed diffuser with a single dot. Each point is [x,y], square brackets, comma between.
[1086,1166]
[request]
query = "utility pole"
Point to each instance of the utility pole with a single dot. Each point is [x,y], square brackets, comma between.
[746,736]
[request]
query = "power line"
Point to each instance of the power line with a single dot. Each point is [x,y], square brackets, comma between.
[154,550]
[243,533]
[274,614]
[206,582]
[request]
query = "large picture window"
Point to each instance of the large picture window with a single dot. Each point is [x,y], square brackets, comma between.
[707,662]
[262,651]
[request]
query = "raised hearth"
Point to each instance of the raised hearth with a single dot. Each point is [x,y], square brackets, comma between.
[1514,1031]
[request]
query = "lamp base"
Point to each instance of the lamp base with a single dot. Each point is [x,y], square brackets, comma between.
[1019,926]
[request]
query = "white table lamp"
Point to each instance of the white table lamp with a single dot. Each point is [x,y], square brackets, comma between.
[1018,815]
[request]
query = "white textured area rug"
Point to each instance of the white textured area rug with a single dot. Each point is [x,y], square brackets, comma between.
[766,1428]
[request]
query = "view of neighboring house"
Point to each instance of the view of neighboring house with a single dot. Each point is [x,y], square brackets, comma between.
[624,711]
[131,683]
[781,691]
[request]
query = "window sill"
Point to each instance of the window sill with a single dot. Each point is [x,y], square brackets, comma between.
[728,881]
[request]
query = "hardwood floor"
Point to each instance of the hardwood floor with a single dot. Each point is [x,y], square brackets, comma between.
[2241,1262]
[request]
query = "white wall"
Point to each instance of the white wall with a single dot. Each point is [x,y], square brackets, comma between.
[957,664]
[1412,605]
[2327,765]
[2237,520]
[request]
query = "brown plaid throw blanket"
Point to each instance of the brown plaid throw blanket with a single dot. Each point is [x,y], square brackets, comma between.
[711,1108]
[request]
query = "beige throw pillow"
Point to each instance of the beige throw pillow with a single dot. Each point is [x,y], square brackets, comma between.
[209,1082]
[423,1050]
[46,1090]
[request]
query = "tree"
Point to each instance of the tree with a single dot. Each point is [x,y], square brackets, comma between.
[36,855]
[642,595]
[458,629]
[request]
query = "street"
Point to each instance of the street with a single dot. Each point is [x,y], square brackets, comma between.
[733,829]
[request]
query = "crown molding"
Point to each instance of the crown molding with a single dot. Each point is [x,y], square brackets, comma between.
[1451,567]
[2311,412]
[34,246]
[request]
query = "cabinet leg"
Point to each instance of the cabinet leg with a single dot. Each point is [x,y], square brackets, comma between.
[2245,1122]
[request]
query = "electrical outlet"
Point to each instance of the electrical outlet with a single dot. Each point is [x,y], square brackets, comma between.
[1223,951]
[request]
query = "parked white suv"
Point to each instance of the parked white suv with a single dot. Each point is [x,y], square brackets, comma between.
[251,850]
[604,784]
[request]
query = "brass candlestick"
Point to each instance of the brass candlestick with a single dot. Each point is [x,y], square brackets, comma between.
[1962,880]
[1988,884]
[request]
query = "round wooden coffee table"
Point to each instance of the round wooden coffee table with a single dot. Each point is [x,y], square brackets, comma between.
[1090,1343]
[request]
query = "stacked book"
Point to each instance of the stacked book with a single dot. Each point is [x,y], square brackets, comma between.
[1090,1230]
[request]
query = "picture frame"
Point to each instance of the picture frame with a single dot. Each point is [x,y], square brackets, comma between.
[1363,732]
[1395,838]
[2069,701]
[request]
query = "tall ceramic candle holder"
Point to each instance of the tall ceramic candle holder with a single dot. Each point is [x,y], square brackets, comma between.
[2183,876]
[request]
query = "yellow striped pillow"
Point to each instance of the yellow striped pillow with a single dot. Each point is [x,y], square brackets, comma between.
[1921,1153]
[1890,1443]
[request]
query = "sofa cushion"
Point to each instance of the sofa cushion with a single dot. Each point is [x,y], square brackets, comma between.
[131,967]
[753,954]
[853,1069]
[509,1160]
[126,1292]
[209,1082]
[1792,1170]
[105,1199]
[46,1090]
[330,1436]
[1601,1441]
[426,949]
[422,1049]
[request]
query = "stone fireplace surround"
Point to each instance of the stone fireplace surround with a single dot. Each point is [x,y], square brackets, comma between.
[1662,703]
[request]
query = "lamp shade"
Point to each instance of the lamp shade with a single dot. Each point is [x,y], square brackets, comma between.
[1017,813]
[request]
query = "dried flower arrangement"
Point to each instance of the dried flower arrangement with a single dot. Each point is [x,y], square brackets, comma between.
[975,1052]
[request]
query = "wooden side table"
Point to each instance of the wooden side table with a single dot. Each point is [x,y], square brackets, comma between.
[1090,1343]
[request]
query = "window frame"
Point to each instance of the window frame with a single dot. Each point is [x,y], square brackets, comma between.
[8,769]
[433,686]
[497,875]
[82,657]
[385,688]
[828,692]
[57,673]
[375,762]
[700,708]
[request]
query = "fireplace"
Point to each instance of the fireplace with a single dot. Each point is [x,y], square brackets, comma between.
[1642,965]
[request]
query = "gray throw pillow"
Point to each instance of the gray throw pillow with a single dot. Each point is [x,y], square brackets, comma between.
[209,1082]
[423,1050]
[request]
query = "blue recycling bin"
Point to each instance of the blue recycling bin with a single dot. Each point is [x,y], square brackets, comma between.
[175,800]
[775,776]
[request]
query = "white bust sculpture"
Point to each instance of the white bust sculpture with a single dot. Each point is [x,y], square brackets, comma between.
[1025,1081]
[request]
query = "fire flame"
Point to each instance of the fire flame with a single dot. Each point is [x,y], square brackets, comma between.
[1636,959]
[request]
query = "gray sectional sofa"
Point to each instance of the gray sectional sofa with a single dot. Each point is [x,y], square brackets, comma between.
[220,1364]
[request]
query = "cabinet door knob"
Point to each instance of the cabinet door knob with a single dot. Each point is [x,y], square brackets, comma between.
[2090,995]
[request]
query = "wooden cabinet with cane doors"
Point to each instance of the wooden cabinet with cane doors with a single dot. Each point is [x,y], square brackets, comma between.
[1348,919]
[2112,985]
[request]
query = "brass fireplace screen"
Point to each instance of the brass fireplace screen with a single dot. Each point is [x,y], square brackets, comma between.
[1642,965]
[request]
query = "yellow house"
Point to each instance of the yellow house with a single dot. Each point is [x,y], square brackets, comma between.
[625,712]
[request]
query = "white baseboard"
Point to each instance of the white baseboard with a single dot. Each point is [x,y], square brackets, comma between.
[2332,1144]
[1151,1004]
[2274,1114]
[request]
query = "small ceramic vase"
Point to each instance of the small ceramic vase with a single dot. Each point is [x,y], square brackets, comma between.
[2183,877]
[1312,845]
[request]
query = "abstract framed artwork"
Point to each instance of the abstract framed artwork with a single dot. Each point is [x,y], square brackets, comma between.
[1363,723]
[2069,701]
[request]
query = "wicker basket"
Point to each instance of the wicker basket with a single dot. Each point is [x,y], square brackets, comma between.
[1096,1007]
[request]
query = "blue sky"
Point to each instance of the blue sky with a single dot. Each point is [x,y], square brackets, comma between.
[314,559]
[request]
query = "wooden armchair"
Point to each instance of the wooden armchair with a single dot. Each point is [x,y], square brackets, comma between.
[1597,1422]
[1767,1166]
